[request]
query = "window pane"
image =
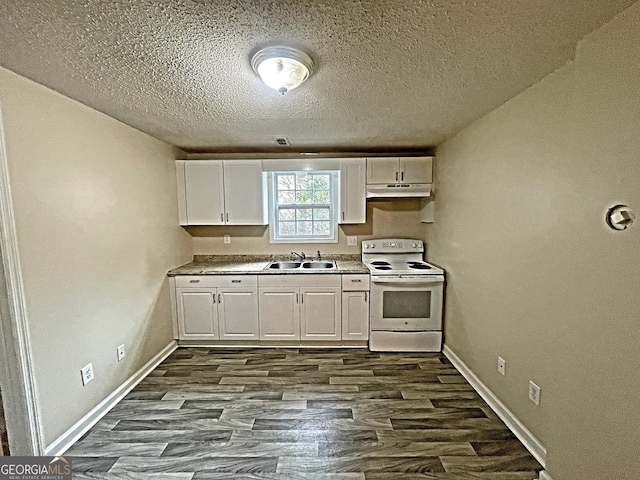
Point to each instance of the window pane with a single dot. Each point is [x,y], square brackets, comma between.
[321,214]
[286,182]
[286,198]
[321,182]
[287,228]
[321,197]
[304,196]
[321,228]
[302,181]
[304,214]
[305,228]
[287,214]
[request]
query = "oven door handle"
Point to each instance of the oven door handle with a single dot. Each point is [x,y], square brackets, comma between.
[408,280]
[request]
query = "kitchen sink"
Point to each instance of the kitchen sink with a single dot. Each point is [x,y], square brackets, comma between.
[282,265]
[320,264]
[306,265]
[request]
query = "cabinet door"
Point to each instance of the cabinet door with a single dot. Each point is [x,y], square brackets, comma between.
[353,195]
[204,192]
[355,315]
[416,170]
[383,170]
[279,313]
[197,313]
[320,313]
[243,196]
[238,313]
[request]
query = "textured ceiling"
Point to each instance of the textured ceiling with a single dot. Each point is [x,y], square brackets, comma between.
[390,73]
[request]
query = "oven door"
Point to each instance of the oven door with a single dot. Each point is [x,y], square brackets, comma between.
[406,303]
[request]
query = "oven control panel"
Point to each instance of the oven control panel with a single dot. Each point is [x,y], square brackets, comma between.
[393,246]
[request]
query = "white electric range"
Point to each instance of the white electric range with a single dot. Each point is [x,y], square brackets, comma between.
[406,296]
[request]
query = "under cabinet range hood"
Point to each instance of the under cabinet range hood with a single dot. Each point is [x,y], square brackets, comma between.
[399,190]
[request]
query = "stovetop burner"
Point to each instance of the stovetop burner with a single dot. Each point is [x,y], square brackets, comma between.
[419,266]
[383,267]
[380,263]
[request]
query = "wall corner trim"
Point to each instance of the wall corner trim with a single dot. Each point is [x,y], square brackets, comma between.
[516,426]
[544,476]
[82,426]
[20,402]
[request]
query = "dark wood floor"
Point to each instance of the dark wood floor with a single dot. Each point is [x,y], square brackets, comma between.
[266,414]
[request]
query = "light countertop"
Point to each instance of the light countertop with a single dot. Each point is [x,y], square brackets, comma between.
[255,264]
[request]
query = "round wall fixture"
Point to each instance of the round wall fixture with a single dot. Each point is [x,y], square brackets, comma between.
[620,217]
[282,68]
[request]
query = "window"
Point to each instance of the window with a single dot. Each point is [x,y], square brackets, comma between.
[304,207]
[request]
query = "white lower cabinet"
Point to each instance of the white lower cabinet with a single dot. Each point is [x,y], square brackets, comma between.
[295,307]
[320,313]
[300,307]
[197,313]
[217,307]
[238,313]
[279,313]
[355,307]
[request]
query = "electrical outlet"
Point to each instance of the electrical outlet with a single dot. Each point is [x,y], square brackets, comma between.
[502,366]
[227,238]
[534,393]
[352,241]
[87,373]
[120,352]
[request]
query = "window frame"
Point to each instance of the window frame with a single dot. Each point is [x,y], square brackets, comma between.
[334,190]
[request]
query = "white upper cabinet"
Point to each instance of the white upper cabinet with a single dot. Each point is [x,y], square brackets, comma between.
[416,169]
[353,201]
[399,170]
[204,193]
[243,196]
[220,192]
[383,170]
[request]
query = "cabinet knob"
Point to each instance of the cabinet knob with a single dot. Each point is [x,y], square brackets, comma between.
[357,280]
[194,281]
[236,281]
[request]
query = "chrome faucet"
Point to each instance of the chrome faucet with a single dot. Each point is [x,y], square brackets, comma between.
[301,255]
[318,257]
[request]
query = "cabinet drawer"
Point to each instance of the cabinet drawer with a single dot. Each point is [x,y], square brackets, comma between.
[355,283]
[212,281]
[300,280]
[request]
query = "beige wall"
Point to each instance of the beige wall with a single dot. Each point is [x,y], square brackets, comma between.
[534,274]
[385,218]
[96,214]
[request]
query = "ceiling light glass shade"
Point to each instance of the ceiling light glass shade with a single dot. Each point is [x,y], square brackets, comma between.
[282,68]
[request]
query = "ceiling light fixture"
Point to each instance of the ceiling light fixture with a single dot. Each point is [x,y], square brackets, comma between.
[282,68]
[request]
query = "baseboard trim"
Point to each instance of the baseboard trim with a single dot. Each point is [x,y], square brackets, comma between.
[213,344]
[544,476]
[68,438]
[519,430]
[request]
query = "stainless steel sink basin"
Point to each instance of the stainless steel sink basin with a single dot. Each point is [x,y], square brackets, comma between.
[282,265]
[306,265]
[319,265]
